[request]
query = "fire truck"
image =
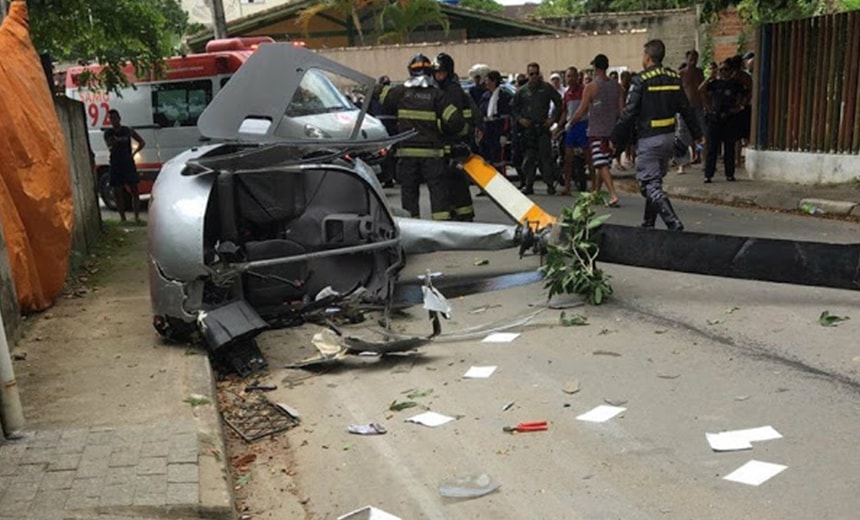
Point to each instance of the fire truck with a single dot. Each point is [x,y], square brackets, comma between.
[164,111]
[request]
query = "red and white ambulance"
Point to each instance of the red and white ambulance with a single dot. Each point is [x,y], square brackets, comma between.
[164,111]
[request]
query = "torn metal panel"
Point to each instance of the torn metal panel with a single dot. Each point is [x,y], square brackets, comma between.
[230,323]
[426,236]
[763,259]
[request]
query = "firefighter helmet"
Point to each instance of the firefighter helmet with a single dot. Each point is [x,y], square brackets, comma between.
[444,63]
[419,65]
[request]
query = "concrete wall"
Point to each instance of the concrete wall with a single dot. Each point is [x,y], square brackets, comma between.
[802,167]
[508,56]
[678,28]
[87,214]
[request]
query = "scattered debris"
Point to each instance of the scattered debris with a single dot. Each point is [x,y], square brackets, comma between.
[263,387]
[536,426]
[501,337]
[256,418]
[471,486]
[477,372]
[196,400]
[606,353]
[668,376]
[829,320]
[481,261]
[507,406]
[741,397]
[243,480]
[732,309]
[661,331]
[741,439]
[403,405]
[714,322]
[755,473]
[367,429]
[483,308]
[19,356]
[368,513]
[431,419]
[601,413]
[571,387]
[615,402]
[575,320]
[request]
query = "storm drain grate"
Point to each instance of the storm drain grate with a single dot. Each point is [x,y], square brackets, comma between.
[254,419]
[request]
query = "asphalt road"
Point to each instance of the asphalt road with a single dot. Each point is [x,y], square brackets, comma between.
[684,354]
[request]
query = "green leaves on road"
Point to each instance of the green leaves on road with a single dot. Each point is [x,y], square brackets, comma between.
[575,320]
[402,405]
[828,320]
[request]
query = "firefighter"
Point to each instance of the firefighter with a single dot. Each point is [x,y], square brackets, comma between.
[460,143]
[655,97]
[420,106]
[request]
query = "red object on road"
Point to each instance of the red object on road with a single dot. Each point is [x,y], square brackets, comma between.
[537,426]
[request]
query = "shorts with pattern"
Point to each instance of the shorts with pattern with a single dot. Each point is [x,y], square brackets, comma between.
[601,154]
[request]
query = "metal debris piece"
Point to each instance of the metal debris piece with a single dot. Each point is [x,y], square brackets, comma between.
[367,429]
[507,406]
[571,387]
[615,402]
[606,353]
[256,418]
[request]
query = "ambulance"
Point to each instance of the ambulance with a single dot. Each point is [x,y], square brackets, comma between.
[164,110]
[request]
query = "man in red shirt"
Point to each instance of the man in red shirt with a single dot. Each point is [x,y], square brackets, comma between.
[575,135]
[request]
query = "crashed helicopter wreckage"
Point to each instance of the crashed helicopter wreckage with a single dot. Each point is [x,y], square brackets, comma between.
[282,221]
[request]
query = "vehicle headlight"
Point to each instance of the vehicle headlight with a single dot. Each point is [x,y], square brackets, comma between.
[315,133]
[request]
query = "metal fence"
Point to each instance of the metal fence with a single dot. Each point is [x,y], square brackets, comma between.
[809,94]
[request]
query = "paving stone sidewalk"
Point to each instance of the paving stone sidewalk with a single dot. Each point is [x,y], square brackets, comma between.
[86,473]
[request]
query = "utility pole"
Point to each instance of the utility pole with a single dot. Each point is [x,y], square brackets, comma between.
[4,8]
[11,414]
[219,21]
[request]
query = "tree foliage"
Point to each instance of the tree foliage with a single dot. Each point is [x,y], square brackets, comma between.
[756,11]
[350,9]
[399,19]
[109,32]
[483,5]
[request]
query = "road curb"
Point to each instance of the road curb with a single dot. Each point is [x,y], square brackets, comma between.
[216,491]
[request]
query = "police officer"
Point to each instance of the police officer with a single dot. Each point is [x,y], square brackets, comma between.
[460,143]
[420,106]
[655,97]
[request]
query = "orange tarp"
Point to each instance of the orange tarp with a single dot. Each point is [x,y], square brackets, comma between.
[35,190]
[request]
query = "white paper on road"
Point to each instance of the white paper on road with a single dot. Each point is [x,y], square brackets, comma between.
[480,372]
[431,419]
[368,513]
[602,413]
[741,439]
[755,472]
[501,337]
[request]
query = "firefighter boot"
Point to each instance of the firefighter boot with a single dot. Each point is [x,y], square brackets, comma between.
[667,213]
[650,217]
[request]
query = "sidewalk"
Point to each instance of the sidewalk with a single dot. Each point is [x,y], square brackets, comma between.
[843,199]
[112,430]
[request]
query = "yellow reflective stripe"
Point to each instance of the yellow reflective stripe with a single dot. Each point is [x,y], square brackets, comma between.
[420,152]
[662,123]
[662,88]
[448,112]
[465,210]
[416,115]
[441,215]
[382,96]
[467,113]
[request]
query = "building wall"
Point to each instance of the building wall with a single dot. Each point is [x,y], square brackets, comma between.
[552,52]
[678,28]
[729,35]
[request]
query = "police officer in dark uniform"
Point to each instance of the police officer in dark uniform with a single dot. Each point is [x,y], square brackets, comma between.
[654,98]
[420,106]
[460,143]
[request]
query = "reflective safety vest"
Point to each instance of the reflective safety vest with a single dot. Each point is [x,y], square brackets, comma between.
[419,106]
